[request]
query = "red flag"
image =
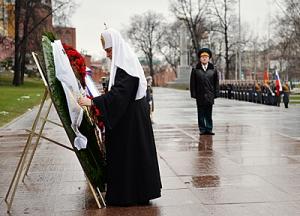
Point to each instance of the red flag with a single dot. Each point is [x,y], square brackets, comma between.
[266,76]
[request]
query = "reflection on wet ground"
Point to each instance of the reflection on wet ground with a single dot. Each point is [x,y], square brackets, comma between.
[205,143]
[206,181]
[250,167]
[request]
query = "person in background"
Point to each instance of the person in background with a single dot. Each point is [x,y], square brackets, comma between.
[104,82]
[204,87]
[149,96]
[133,176]
[286,94]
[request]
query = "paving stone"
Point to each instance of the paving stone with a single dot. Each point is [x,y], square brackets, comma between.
[250,167]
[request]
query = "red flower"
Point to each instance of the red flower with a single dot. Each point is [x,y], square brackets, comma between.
[77,62]
[95,110]
[96,115]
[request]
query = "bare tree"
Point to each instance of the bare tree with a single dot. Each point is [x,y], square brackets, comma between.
[192,14]
[17,67]
[62,17]
[224,13]
[168,46]
[29,25]
[145,32]
[288,35]
[24,14]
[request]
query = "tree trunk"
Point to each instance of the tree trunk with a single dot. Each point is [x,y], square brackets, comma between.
[17,73]
[23,50]
[227,60]
[195,42]
[150,56]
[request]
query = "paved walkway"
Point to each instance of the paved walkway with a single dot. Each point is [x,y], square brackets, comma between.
[250,167]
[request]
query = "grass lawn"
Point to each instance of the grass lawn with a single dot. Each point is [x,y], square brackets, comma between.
[15,101]
[295,99]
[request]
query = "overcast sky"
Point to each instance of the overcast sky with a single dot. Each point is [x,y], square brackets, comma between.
[91,14]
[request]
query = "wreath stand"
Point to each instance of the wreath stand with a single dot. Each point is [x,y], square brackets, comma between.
[24,163]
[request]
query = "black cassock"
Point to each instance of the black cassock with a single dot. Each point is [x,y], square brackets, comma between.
[132,168]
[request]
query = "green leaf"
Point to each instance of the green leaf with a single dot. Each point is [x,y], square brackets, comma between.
[50,36]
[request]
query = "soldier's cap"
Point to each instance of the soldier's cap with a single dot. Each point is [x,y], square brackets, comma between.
[204,52]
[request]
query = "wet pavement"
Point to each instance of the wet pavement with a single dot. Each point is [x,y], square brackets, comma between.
[250,167]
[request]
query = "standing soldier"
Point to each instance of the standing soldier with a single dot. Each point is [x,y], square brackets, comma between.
[204,87]
[257,94]
[286,94]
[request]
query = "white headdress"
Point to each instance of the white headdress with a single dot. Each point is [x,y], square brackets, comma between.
[124,58]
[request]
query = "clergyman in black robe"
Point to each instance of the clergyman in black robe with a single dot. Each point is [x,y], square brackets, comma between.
[132,167]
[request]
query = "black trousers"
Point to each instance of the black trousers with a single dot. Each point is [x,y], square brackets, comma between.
[205,122]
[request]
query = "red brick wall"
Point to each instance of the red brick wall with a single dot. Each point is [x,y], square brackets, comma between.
[164,76]
[67,35]
[7,48]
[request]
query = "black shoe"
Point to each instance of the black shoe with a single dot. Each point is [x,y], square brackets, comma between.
[203,133]
[210,133]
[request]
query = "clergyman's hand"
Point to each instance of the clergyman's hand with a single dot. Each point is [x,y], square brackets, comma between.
[84,101]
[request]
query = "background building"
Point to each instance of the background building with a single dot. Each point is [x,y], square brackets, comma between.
[67,35]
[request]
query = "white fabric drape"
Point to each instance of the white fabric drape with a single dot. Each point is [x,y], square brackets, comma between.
[124,58]
[66,76]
